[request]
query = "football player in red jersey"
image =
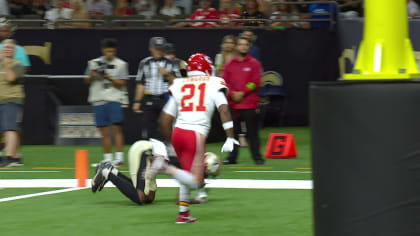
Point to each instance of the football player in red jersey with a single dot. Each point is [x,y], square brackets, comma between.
[192,103]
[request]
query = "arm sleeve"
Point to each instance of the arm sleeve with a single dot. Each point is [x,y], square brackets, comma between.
[88,69]
[254,83]
[226,77]
[22,56]
[123,72]
[220,99]
[140,73]
[170,107]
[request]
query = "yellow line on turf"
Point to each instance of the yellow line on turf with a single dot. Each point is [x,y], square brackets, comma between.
[303,168]
[53,168]
[5,168]
[249,168]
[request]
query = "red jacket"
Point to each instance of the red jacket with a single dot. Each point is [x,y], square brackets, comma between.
[237,75]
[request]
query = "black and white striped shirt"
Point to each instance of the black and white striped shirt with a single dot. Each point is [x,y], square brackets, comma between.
[148,74]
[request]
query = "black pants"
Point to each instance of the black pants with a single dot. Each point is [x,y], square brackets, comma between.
[152,107]
[250,118]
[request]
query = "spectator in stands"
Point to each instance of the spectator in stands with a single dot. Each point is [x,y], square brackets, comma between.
[6,32]
[205,12]
[107,76]
[185,5]
[97,9]
[4,8]
[170,53]
[169,9]
[146,8]
[350,8]
[255,50]
[264,6]
[228,12]
[20,7]
[59,12]
[40,7]
[243,77]
[79,13]
[154,76]
[251,11]
[412,9]
[323,8]
[122,9]
[226,54]
[11,102]
[287,12]
[303,7]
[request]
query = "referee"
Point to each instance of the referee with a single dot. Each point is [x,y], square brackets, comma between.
[154,76]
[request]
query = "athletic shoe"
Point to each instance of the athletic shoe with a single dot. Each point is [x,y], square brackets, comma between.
[158,166]
[11,162]
[99,181]
[184,218]
[229,162]
[259,162]
[201,195]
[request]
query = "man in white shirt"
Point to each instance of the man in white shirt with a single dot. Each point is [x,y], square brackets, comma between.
[107,76]
[412,9]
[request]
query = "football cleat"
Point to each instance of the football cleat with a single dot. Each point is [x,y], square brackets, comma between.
[146,164]
[201,195]
[184,218]
[99,180]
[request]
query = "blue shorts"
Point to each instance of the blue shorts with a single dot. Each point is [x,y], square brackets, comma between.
[10,116]
[108,114]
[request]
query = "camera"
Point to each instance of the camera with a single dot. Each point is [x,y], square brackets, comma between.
[102,66]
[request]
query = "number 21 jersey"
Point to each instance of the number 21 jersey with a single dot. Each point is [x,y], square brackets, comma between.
[195,100]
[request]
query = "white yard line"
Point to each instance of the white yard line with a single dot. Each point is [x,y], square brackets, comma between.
[165,183]
[38,194]
[273,171]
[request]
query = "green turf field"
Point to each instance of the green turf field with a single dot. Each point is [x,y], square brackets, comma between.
[229,211]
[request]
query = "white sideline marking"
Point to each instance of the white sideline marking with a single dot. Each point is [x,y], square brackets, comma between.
[165,183]
[273,171]
[38,194]
[29,171]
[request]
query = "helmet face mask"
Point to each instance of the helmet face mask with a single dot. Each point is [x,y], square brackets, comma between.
[200,62]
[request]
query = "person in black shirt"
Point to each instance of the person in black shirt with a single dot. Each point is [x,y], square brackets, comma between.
[251,11]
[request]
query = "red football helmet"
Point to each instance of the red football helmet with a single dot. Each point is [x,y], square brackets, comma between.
[200,62]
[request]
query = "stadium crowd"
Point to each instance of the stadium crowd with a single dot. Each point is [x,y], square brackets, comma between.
[224,13]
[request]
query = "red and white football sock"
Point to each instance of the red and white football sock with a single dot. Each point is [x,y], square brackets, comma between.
[184,177]
[184,199]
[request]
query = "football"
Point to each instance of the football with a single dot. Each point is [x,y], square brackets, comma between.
[213,164]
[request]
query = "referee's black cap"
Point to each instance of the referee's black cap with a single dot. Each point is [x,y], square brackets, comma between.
[157,42]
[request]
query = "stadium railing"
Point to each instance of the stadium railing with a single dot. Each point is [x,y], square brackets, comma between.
[129,22]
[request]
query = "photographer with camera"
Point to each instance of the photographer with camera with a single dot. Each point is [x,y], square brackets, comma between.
[108,94]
